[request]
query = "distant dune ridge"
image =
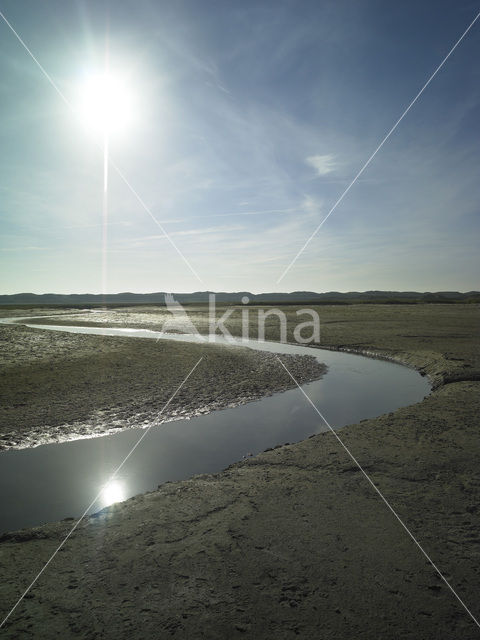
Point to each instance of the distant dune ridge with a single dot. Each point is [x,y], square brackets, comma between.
[384,297]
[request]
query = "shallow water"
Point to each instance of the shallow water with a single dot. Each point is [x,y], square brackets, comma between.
[54,481]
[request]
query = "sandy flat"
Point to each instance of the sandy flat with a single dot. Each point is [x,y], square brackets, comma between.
[294,543]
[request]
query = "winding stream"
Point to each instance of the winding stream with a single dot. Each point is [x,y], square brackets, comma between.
[54,481]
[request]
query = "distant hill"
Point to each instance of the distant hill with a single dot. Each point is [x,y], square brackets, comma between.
[296,297]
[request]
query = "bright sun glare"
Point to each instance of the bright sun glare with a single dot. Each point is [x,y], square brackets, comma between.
[112,492]
[105,103]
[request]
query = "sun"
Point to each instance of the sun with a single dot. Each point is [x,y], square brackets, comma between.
[106,103]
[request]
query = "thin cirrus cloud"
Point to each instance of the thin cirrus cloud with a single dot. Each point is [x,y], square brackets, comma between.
[323,165]
[258,116]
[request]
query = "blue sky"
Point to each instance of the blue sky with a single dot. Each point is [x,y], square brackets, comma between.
[251,118]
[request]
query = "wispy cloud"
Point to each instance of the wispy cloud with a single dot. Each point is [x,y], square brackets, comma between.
[21,249]
[254,120]
[323,165]
[146,241]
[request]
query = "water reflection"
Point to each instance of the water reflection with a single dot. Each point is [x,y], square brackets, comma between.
[113,491]
[54,481]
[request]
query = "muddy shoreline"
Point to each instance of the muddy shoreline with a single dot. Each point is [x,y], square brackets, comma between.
[293,542]
[446,351]
[107,384]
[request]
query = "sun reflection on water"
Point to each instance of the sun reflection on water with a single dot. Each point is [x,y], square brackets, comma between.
[112,492]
